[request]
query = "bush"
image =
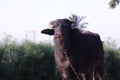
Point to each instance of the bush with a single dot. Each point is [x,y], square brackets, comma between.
[112,63]
[27,61]
[35,61]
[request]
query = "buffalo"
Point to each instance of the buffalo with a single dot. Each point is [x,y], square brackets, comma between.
[78,53]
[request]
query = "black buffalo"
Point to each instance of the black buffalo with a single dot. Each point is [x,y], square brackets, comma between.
[78,53]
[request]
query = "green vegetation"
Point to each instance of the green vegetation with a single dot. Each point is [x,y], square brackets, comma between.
[114,3]
[26,61]
[35,61]
[112,61]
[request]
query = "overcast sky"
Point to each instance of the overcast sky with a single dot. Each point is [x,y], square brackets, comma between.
[21,17]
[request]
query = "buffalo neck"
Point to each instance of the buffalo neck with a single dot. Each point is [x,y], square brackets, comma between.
[64,44]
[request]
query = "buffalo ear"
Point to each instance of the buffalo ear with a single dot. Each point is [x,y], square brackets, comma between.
[48,31]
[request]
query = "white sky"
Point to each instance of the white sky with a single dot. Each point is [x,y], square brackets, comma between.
[18,17]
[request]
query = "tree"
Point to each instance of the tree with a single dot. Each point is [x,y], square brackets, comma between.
[78,21]
[114,3]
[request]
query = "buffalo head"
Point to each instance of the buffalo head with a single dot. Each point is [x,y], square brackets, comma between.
[60,28]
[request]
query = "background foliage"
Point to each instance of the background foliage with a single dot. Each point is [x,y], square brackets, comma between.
[35,61]
[114,3]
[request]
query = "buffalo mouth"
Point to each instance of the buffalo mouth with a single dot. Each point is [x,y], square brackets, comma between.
[59,37]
